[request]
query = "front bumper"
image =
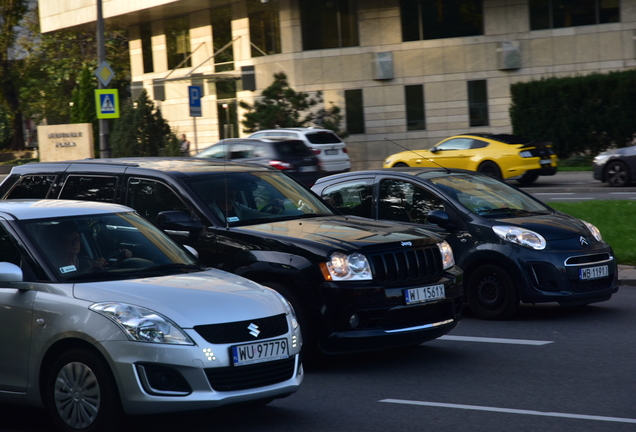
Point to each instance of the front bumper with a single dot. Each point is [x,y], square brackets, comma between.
[191,374]
[374,317]
[555,277]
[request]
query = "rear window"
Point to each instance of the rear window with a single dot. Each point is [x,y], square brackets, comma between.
[323,138]
[292,148]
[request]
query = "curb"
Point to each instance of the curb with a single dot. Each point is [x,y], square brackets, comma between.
[626,275]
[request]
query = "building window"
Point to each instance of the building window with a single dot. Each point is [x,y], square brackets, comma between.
[354,111]
[414,97]
[437,19]
[548,14]
[329,24]
[178,42]
[221,20]
[478,103]
[146,47]
[264,27]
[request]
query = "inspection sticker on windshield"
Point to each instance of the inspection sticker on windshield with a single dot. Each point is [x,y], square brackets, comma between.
[424,294]
[593,272]
[260,352]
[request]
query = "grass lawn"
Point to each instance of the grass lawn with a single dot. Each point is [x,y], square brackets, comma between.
[616,219]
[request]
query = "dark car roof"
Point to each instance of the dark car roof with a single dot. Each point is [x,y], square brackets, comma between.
[163,164]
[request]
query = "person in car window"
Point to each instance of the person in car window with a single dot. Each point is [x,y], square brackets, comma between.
[227,208]
[68,258]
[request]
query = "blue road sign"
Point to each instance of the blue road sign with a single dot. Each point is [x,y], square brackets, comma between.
[194,95]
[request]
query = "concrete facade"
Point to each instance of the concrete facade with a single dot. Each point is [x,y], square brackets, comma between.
[442,66]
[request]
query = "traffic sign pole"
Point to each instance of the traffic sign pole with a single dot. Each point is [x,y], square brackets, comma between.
[104,149]
[194,97]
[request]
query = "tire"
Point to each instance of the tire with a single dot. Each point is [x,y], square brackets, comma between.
[528,178]
[400,165]
[617,174]
[81,394]
[489,168]
[491,293]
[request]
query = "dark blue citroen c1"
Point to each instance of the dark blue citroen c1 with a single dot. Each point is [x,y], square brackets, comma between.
[512,247]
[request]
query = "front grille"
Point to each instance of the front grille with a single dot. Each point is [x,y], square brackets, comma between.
[579,286]
[236,332]
[407,265]
[588,259]
[250,376]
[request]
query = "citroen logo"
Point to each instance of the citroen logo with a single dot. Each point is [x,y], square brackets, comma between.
[583,241]
[253,328]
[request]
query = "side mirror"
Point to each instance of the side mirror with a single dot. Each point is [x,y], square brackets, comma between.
[192,250]
[10,273]
[439,218]
[434,150]
[178,221]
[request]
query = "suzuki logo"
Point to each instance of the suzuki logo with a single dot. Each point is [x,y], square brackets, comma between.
[254,331]
[583,241]
[407,244]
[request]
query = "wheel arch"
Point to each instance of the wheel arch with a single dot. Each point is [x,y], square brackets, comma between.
[56,350]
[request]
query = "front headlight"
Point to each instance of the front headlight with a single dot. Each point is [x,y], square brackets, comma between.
[287,306]
[448,260]
[521,236]
[600,159]
[595,232]
[341,267]
[141,324]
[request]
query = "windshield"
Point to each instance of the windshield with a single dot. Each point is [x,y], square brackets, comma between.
[106,247]
[255,197]
[488,197]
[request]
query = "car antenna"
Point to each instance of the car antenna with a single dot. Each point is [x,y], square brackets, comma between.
[419,155]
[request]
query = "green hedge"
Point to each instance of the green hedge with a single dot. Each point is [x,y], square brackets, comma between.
[582,114]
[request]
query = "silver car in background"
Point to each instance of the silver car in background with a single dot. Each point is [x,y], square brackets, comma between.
[131,323]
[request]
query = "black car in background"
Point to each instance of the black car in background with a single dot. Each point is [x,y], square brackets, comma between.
[616,167]
[288,155]
[355,284]
[511,246]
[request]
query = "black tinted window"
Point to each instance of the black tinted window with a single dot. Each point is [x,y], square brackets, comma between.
[88,188]
[149,198]
[32,187]
[323,138]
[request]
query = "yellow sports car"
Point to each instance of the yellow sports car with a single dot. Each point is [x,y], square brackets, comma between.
[499,155]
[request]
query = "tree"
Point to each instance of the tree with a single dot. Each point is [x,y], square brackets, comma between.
[11,15]
[83,108]
[281,107]
[142,131]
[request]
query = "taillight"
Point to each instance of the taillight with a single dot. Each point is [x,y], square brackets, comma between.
[281,165]
[316,151]
[344,150]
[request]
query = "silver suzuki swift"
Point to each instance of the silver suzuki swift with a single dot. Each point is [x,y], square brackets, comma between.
[102,315]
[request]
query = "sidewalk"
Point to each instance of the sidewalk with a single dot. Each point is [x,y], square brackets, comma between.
[626,275]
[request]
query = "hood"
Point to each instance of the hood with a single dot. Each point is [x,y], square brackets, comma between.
[344,233]
[550,226]
[208,297]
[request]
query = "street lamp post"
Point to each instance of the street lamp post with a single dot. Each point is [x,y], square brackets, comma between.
[104,150]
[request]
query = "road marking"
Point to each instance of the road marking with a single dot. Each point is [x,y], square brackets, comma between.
[622,193]
[511,411]
[578,199]
[554,193]
[495,340]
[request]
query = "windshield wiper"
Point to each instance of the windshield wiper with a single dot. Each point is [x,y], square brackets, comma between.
[509,210]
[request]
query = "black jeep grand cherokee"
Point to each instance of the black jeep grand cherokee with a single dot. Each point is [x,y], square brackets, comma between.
[356,284]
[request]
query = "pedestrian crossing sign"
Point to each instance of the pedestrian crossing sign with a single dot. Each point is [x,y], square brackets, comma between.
[107,103]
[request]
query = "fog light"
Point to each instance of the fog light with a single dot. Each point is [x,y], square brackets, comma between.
[354,321]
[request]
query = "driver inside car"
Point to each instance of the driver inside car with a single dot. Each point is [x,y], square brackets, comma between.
[68,258]
[227,208]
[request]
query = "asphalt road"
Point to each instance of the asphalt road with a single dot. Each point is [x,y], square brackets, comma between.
[549,369]
[575,186]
